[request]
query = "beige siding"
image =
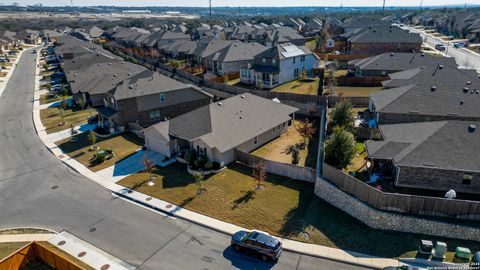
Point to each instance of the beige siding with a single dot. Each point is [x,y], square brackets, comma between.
[263,138]
[157,143]
[150,102]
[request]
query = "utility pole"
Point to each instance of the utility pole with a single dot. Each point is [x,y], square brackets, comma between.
[383,8]
[71,2]
[421,6]
[210,4]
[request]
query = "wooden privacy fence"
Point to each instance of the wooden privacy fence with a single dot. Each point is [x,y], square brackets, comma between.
[283,169]
[37,251]
[402,203]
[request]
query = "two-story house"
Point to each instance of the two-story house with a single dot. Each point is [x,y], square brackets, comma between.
[277,65]
[148,98]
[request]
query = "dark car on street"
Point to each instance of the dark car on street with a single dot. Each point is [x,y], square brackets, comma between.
[258,244]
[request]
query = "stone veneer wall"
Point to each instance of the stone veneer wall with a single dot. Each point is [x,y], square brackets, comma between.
[377,219]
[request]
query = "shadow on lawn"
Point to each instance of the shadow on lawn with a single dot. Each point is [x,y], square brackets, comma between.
[245,198]
[175,175]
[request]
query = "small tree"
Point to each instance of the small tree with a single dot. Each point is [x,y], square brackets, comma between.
[149,165]
[342,116]
[259,173]
[73,132]
[295,156]
[306,130]
[92,138]
[340,148]
[199,179]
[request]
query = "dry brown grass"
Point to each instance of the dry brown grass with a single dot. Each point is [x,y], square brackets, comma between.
[51,118]
[276,149]
[122,145]
[307,87]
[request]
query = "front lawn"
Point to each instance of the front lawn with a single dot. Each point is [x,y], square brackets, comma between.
[305,87]
[353,91]
[277,149]
[51,118]
[45,100]
[122,145]
[286,208]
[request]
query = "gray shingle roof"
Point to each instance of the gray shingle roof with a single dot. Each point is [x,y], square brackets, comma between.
[145,83]
[238,51]
[385,35]
[443,145]
[433,74]
[431,99]
[230,123]
[394,62]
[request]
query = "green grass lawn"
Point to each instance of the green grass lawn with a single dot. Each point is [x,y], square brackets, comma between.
[233,82]
[276,149]
[8,248]
[286,208]
[309,87]
[45,100]
[51,118]
[122,145]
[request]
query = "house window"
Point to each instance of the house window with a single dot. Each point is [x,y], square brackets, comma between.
[467,179]
[294,60]
[255,140]
[202,151]
[302,58]
[285,125]
[154,115]
[162,97]
[274,61]
[295,72]
[264,60]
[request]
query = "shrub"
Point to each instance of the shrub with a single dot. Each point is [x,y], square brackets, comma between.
[295,156]
[216,165]
[188,157]
[209,165]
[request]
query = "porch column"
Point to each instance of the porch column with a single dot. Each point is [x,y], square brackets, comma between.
[270,76]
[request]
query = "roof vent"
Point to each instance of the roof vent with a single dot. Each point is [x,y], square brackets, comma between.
[99,64]
[220,104]
[440,66]
[422,67]
[123,62]
[130,86]
[391,54]
[461,102]
[423,54]
[476,91]
[129,73]
[242,96]
[472,128]
[433,88]
[75,74]
[115,75]
[465,89]
[109,63]
[469,83]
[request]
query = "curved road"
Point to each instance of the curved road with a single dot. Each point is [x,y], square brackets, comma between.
[38,190]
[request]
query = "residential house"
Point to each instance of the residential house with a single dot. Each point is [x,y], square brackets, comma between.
[243,122]
[229,59]
[278,65]
[427,102]
[440,155]
[436,74]
[386,63]
[373,41]
[148,98]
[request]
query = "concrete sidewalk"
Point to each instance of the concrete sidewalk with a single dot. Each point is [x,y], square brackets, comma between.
[104,178]
[10,238]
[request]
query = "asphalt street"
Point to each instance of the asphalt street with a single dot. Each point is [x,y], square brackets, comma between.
[464,58]
[38,190]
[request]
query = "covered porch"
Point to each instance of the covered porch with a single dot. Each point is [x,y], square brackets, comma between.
[108,120]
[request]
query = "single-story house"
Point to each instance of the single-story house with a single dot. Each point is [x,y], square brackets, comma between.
[440,155]
[243,122]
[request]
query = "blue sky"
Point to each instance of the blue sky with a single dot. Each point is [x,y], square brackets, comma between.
[242,2]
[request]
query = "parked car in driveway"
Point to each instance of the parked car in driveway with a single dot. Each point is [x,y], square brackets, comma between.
[257,244]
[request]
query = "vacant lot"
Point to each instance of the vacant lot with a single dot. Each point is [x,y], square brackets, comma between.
[122,145]
[51,118]
[277,149]
[285,208]
[305,87]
